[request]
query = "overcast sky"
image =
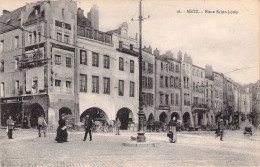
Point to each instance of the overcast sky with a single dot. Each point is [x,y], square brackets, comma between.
[226,41]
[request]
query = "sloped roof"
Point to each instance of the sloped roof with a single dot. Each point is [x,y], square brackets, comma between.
[117,31]
[83,21]
[12,18]
[166,58]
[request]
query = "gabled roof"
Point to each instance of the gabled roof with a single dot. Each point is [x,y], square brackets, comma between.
[12,18]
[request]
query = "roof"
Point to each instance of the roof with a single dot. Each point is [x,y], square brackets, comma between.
[198,67]
[166,58]
[12,18]
[83,21]
[117,31]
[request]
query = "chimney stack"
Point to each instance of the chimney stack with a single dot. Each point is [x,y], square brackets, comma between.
[5,11]
[80,11]
[93,17]
[156,52]
[150,50]
[179,56]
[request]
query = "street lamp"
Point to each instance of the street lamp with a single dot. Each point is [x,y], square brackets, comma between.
[141,115]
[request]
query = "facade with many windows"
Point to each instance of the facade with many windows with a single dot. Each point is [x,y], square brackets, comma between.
[108,75]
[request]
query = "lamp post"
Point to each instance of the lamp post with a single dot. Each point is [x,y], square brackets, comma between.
[141,115]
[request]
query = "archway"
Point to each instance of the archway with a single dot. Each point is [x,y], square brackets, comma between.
[176,115]
[163,117]
[186,120]
[151,118]
[36,110]
[96,114]
[125,116]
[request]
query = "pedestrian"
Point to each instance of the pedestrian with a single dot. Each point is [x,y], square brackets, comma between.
[10,127]
[173,124]
[42,125]
[118,124]
[88,128]
[62,134]
[25,122]
[221,127]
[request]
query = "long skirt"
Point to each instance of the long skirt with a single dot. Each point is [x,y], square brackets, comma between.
[62,135]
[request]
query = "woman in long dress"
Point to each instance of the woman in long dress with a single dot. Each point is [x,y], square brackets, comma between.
[62,134]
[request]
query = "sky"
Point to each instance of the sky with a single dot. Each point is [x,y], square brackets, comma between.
[228,41]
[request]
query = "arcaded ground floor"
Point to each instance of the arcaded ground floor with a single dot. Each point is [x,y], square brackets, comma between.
[197,148]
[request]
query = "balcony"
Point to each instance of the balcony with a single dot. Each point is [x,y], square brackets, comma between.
[94,34]
[128,50]
[187,103]
[33,61]
[199,105]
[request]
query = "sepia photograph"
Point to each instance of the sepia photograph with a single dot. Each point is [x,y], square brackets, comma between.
[130,83]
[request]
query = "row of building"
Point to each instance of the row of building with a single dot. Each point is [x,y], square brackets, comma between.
[55,60]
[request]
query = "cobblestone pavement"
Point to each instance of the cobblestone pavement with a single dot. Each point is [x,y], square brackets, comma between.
[192,149]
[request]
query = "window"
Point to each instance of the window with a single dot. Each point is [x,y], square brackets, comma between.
[161,99]
[121,64]
[17,86]
[2,67]
[131,46]
[143,98]
[2,46]
[16,42]
[35,85]
[39,36]
[57,83]
[132,89]
[150,83]
[152,100]
[166,67]
[120,44]
[143,65]
[57,59]
[166,82]
[16,61]
[161,66]
[144,82]
[132,69]
[95,59]
[121,88]
[95,84]
[176,99]
[172,99]
[30,38]
[59,37]
[150,68]
[2,89]
[161,81]
[147,99]
[68,86]
[106,61]
[83,57]
[177,68]
[83,83]
[167,99]
[106,85]
[68,62]
[34,36]
[66,38]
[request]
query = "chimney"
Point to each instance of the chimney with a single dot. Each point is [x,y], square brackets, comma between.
[150,50]
[156,52]
[5,11]
[80,11]
[179,56]
[93,17]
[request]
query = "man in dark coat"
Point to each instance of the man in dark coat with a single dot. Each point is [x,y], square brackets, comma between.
[62,134]
[221,127]
[10,127]
[88,127]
